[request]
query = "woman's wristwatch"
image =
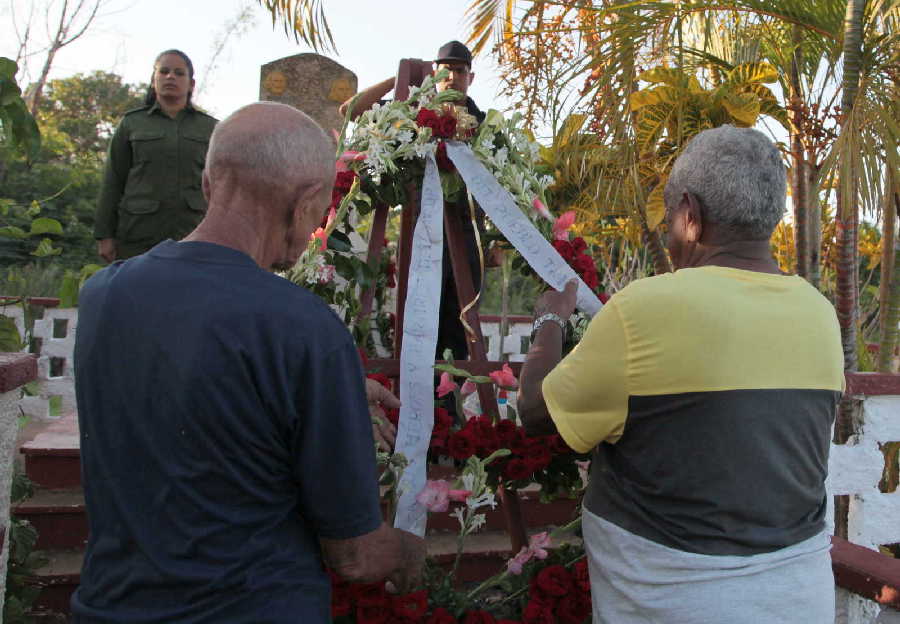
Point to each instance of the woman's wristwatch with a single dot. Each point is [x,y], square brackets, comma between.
[543,318]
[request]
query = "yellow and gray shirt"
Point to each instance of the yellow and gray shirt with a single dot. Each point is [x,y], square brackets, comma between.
[708,397]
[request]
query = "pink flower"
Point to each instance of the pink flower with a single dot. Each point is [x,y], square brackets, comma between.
[323,238]
[459,496]
[446,386]
[562,225]
[435,496]
[541,209]
[514,565]
[352,156]
[504,377]
[538,543]
[468,388]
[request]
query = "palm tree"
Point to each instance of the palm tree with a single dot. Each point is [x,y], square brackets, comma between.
[304,20]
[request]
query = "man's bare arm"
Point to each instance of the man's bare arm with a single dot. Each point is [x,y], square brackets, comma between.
[367,97]
[543,356]
[384,553]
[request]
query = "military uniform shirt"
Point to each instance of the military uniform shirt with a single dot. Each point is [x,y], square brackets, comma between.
[151,188]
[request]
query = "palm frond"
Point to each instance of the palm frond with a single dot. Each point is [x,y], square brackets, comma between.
[304,20]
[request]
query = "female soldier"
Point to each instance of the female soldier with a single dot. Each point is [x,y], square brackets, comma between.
[151,188]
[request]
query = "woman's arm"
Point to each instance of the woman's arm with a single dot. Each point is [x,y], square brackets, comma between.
[118,163]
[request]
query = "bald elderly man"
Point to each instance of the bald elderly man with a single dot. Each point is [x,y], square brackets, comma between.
[225,438]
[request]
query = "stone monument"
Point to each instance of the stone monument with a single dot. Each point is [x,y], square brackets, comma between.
[312,83]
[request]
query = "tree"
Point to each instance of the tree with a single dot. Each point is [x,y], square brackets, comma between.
[65,25]
[304,20]
[64,175]
[87,107]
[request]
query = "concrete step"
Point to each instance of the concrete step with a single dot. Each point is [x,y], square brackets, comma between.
[52,457]
[61,521]
[59,517]
[484,555]
[58,579]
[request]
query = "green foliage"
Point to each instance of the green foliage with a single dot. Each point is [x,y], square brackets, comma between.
[85,109]
[21,592]
[61,181]
[18,129]
[35,279]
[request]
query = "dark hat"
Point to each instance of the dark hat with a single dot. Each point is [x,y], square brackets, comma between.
[454,51]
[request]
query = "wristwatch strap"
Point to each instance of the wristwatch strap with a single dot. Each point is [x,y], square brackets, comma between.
[549,316]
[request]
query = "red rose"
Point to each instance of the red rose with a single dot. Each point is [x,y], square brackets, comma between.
[479,617]
[505,431]
[461,445]
[564,248]
[590,279]
[581,575]
[442,418]
[381,378]
[573,609]
[508,622]
[412,606]
[369,594]
[554,580]
[443,161]
[439,441]
[426,118]
[603,298]
[537,613]
[446,126]
[517,469]
[391,274]
[376,614]
[584,264]
[558,445]
[440,616]
[344,180]
[341,600]
[393,415]
[578,245]
[537,454]
[536,594]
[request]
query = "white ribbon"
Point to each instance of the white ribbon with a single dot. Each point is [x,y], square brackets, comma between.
[420,327]
[423,295]
[499,205]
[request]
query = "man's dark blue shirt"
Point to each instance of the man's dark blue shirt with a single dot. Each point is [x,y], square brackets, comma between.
[224,429]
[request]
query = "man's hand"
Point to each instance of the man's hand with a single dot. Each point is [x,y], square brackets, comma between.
[379,397]
[384,553]
[409,575]
[557,302]
[106,248]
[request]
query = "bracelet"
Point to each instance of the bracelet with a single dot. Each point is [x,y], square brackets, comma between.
[550,316]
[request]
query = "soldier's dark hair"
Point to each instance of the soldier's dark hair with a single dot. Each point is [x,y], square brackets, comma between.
[150,98]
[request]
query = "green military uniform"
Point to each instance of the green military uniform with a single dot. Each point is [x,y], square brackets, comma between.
[151,188]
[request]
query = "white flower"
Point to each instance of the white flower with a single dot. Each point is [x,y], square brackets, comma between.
[483,500]
[477,522]
[459,515]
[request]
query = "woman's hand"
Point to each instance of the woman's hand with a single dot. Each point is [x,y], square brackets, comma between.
[106,247]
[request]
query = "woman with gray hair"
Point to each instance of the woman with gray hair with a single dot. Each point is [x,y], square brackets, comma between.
[708,412]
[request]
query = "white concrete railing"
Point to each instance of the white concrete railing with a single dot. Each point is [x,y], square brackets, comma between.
[56,377]
[855,468]
[15,371]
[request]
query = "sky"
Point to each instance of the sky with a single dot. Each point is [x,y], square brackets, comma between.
[371,38]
